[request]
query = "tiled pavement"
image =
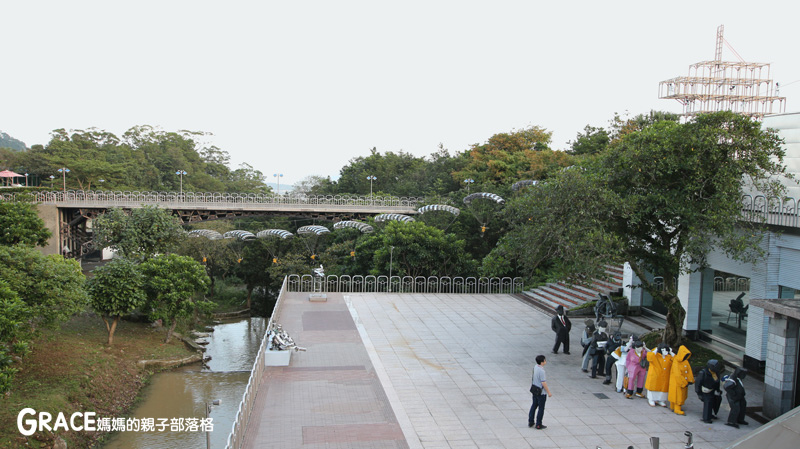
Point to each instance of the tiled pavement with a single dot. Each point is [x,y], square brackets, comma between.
[448,371]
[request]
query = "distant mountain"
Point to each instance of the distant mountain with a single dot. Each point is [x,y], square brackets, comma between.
[7,141]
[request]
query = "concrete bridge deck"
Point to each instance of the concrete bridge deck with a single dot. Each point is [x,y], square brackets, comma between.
[449,371]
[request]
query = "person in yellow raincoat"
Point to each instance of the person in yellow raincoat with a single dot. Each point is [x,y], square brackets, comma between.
[679,380]
[658,372]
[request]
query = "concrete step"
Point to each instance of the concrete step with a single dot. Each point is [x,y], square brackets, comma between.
[541,300]
[562,297]
[577,295]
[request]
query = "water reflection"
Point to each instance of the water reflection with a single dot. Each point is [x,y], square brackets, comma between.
[182,393]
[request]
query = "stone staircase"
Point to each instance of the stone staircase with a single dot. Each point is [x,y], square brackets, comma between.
[554,294]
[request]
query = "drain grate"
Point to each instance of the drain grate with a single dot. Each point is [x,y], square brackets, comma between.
[601,396]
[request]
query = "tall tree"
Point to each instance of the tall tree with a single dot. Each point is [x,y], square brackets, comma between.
[116,289]
[661,198]
[172,282]
[20,224]
[139,234]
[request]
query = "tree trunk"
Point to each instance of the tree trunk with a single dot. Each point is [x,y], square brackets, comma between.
[171,328]
[111,329]
[673,331]
[249,294]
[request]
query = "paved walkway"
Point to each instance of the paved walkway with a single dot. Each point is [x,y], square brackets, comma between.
[448,371]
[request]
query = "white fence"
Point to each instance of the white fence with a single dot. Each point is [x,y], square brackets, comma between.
[107,198]
[239,428]
[405,284]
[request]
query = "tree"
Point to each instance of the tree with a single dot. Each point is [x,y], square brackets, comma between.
[51,287]
[20,224]
[661,198]
[592,141]
[419,250]
[140,234]
[172,282]
[116,289]
[13,334]
[505,158]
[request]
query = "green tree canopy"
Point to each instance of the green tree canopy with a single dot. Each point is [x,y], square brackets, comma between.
[659,198]
[20,224]
[172,282]
[51,287]
[139,234]
[116,289]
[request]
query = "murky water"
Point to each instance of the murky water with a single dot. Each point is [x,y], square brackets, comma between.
[183,393]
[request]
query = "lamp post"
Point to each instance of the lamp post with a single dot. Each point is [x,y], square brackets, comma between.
[468,181]
[278,176]
[101,181]
[391,259]
[181,173]
[371,178]
[52,178]
[26,179]
[208,410]
[64,171]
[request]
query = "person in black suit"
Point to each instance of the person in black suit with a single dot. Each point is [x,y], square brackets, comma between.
[561,326]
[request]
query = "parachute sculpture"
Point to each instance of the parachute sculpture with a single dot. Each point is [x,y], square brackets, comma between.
[524,183]
[311,235]
[441,216]
[207,233]
[239,236]
[362,227]
[392,217]
[273,237]
[483,206]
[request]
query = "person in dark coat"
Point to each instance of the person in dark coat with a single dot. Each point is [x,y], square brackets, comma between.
[706,386]
[735,391]
[597,350]
[561,326]
[611,346]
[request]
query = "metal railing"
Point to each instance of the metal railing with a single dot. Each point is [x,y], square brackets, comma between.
[773,211]
[405,284]
[239,427]
[106,198]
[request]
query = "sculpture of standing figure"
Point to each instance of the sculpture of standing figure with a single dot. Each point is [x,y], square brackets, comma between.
[658,375]
[681,376]
[636,372]
[561,326]
[735,388]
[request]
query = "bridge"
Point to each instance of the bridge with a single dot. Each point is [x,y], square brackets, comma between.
[68,214]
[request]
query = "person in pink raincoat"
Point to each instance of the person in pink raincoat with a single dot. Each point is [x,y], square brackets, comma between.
[636,372]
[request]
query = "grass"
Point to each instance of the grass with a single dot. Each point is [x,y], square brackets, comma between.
[73,369]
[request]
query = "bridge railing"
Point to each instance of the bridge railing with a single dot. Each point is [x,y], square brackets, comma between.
[240,423]
[771,210]
[189,199]
[405,284]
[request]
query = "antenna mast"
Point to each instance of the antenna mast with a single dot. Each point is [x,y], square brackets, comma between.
[741,87]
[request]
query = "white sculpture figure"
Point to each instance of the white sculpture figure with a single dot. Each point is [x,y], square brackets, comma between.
[621,354]
[280,339]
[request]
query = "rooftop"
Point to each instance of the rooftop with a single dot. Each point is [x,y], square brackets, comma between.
[391,370]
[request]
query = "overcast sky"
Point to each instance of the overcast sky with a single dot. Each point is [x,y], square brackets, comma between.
[302,87]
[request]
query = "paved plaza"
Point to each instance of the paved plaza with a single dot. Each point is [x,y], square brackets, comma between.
[450,371]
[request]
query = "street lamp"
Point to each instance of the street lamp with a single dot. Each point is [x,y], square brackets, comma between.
[371,178]
[279,176]
[26,179]
[468,181]
[391,259]
[64,171]
[181,173]
[208,411]
[52,178]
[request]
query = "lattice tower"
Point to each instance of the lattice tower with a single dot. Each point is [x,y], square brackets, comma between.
[741,87]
